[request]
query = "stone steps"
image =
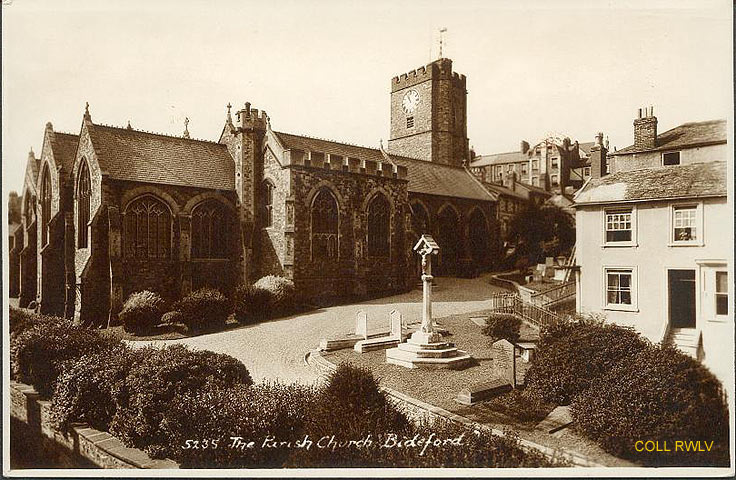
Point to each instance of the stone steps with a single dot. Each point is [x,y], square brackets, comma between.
[422,352]
[406,359]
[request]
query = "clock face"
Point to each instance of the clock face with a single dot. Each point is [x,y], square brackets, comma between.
[410,101]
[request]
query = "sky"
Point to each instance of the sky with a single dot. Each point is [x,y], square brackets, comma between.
[323,68]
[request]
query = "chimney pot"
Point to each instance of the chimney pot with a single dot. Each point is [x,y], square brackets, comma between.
[640,113]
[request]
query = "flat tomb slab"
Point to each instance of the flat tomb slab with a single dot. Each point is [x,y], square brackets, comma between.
[557,419]
[483,391]
[380,343]
[348,341]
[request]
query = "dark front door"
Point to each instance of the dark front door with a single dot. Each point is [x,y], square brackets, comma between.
[682,298]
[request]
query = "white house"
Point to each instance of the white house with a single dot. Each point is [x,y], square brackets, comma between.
[655,240]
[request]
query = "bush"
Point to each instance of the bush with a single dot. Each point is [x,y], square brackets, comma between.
[503,325]
[283,293]
[204,310]
[572,355]
[40,353]
[156,381]
[522,405]
[658,394]
[251,303]
[253,413]
[90,389]
[141,312]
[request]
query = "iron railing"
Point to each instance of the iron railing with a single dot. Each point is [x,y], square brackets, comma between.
[513,304]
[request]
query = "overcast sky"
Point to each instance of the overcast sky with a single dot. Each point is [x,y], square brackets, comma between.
[324,68]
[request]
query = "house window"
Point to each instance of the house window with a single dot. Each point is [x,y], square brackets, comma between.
[524,169]
[555,163]
[535,181]
[409,122]
[147,229]
[267,203]
[554,180]
[684,222]
[619,287]
[586,171]
[671,158]
[210,230]
[535,164]
[379,217]
[721,293]
[325,219]
[45,206]
[83,205]
[618,226]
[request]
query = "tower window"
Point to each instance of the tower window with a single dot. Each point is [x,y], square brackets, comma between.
[409,122]
[671,158]
[83,205]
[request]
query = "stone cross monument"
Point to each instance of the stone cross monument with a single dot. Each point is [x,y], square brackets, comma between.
[426,247]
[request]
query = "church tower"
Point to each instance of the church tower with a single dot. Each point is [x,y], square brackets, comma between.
[429,114]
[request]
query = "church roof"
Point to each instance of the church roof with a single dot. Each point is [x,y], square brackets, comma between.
[64,146]
[424,177]
[695,180]
[499,159]
[128,154]
[503,190]
[687,135]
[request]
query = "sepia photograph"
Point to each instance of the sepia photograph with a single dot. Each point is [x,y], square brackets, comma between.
[377,239]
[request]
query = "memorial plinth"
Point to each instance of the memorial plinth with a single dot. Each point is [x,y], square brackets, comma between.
[426,348]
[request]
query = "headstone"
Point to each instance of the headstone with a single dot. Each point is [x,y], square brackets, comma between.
[504,361]
[549,261]
[361,324]
[397,322]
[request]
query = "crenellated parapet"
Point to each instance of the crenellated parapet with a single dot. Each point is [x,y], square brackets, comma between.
[251,119]
[438,70]
[329,161]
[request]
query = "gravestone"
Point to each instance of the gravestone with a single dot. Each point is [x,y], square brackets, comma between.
[504,360]
[361,324]
[482,391]
[397,323]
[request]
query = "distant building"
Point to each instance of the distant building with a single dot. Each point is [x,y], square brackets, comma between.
[554,164]
[654,238]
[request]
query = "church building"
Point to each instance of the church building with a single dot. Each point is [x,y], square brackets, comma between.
[113,210]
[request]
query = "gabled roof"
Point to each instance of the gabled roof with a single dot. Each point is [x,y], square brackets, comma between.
[424,177]
[695,180]
[502,190]
[499,158]
[64,147]
[128,154]
[690,135]
[534,189]
[585,147]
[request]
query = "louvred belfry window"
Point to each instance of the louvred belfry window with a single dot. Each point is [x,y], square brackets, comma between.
[379,216]
[324,218]
[147,232]
[83,205]
[210,230]
[45,206]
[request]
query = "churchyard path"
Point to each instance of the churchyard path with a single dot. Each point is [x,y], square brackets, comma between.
[275,349]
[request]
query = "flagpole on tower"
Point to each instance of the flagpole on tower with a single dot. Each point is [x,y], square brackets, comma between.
[442,39]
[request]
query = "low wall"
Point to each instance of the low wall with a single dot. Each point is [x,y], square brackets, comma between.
[419,411]
[83,447]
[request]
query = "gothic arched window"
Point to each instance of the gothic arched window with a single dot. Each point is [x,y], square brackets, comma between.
[45,205]
[267,203]
[479,236]
[449,235]
[324,217]
[30,212]
[379,219]
[83,204]
[210,230]
[147,229]
[419,219]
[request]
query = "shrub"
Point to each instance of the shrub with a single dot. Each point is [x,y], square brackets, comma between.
[90,389]
[659,394]
[283,293]
[503,325]
[155,381]
[254,413]
[40,353]
[204,310]
[141,312]
[171,318]
[21,320]
[572,355]
[251,303]
[523,405]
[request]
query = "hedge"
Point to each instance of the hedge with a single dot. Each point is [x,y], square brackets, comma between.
[251,304]
[141,312]
[663,395]
[503,326]
[204,310]
[283,294]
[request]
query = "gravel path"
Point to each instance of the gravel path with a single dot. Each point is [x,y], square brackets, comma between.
[276,349]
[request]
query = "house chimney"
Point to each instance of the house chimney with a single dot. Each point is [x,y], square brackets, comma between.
[598,153]
[524,146]
[645,129]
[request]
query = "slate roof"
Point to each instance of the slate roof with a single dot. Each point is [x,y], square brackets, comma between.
[128,154]
[502,190]
[64,147]
[424,177]
[691,134]
[695,180]
[585,147]
[499,158]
